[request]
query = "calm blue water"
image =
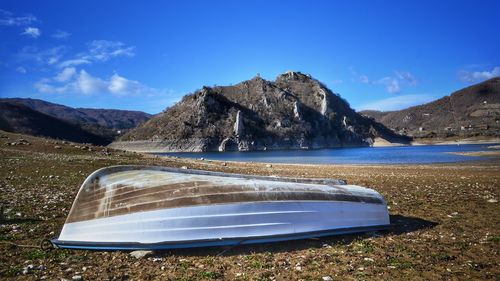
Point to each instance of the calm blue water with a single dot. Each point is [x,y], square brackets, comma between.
[359,155]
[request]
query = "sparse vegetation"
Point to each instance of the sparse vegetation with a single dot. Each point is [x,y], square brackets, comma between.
[446,225]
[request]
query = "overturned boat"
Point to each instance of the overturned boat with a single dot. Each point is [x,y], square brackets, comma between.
[145,207]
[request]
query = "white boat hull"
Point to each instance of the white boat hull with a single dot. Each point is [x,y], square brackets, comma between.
[225,224]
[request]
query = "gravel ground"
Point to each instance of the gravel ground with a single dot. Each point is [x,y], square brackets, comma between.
[446,222]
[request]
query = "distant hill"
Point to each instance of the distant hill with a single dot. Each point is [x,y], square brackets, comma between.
[108,118]
[18,118]
[471,112]
[293,112]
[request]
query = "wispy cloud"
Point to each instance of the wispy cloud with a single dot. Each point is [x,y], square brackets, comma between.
[393,83]
[397,102]
[61,34]
[82,82]
[49,56]
[8,19]
[100,51]
[477,76]
[21,69]
[32,32]
[73,62]
[97,51]
[407,77]
[103,50]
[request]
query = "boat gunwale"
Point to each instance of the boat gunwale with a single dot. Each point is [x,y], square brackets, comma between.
[214,242]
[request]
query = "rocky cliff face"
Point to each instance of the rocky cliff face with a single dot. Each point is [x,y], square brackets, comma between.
[293,112]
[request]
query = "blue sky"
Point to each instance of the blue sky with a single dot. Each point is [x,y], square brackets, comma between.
[146,55]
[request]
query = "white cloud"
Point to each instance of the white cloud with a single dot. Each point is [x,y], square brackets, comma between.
[477,76]
[49,56]
[44,86]
[393,83]
[407,77]
[8,19]
[100,51]
[65,75]
[71,81]
[122,86]
[88,84]
[103,50]
[73,62]
[32,31]
[61,34]
[397,102]
[364,79]
[21,69]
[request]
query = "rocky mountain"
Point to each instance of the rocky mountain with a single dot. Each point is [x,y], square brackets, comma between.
[18,118]
[108,118]
[471,112]
[293,112]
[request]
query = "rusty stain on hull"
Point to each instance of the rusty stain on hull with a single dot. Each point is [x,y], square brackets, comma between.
[121,190]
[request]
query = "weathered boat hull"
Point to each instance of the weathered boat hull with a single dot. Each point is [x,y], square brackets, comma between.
[129,207]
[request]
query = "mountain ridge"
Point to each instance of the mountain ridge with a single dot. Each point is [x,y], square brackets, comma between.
[109,118]
[295,111]
[473,111]
[18,118]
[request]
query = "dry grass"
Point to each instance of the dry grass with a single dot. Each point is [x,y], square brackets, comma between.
[444,225]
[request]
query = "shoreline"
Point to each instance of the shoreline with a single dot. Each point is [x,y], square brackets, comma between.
[457,142]
[135,147]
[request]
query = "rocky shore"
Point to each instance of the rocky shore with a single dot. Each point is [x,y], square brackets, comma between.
[446,223]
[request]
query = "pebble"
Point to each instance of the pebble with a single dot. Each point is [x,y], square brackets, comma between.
[57,147]
[140,254]
[369,259]
[77,278]
[269,166]
[28,269]
[327,278]
[184,167]
[492,200]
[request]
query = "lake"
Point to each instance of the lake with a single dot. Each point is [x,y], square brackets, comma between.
[420,154]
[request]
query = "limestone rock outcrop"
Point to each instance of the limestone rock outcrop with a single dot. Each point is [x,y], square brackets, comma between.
[293,112]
